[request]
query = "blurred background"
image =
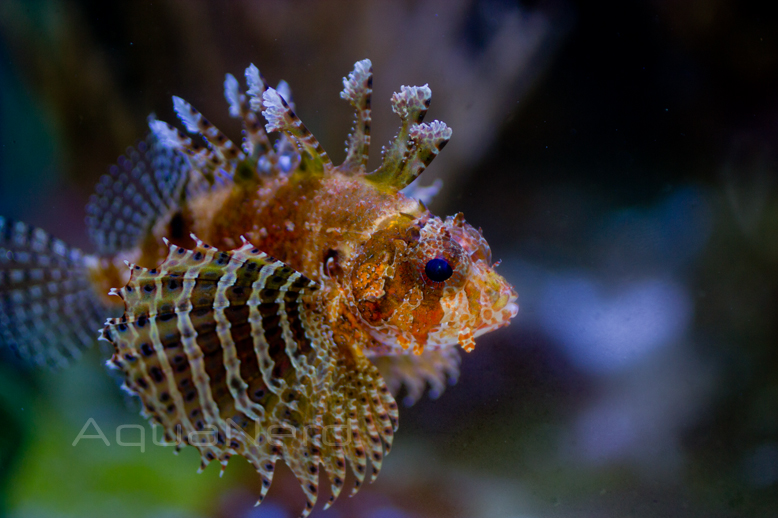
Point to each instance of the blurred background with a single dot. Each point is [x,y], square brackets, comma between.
[621,160]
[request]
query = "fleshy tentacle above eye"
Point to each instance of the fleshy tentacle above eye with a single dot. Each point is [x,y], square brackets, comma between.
[224,341]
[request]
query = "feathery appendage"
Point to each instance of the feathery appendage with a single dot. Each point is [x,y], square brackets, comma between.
[255,140]
[281,117]
[175,139]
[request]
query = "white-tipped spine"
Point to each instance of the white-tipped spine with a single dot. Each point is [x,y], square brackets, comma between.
[433,133]
[256,87]
[232,94]
[274,110]
[187,115]
[410,100]
[353,85]
[285,91]
[166,134]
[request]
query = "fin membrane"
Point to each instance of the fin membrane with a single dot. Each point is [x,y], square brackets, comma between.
[436,368]
[226,354]
[146,183]
[49,311]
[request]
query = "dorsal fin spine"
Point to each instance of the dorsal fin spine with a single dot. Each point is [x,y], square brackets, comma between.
[427,141]
[255,140]
[262,348]
[194,121]
[167,369]
[416,144]
[357,90]
[281,117]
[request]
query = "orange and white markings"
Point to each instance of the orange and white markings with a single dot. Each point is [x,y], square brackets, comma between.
[291,331]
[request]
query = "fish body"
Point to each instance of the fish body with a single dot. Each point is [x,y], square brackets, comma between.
[273,301]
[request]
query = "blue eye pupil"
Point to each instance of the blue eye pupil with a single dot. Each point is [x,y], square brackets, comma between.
[438,269]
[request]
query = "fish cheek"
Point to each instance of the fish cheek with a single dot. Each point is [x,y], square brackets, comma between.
[368,281]
[411,304]
[380,288]
[376,294]
[427,311]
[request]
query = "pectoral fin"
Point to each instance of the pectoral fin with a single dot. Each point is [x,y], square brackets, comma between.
[49,310]
[227,350]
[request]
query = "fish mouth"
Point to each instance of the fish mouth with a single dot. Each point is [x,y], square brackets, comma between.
[497,307]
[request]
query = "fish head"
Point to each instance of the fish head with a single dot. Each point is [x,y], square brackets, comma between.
[429,283]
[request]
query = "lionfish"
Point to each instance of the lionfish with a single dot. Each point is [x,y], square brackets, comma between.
[290,297]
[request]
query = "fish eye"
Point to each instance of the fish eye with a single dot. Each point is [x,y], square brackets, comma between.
[438,269]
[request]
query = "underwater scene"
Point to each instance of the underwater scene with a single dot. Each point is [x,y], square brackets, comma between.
[373,259]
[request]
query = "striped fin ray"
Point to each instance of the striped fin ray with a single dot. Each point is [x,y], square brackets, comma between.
[49,310]
[427,141]
[145,183]
[194,122]
[225,349]
[256,142]
[285,156]
[174,139]
[366,405]
[281,117]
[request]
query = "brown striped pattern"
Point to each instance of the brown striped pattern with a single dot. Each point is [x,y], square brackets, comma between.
[194,121]
[281,117]
[223,349]
[255,140]
[175,139]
